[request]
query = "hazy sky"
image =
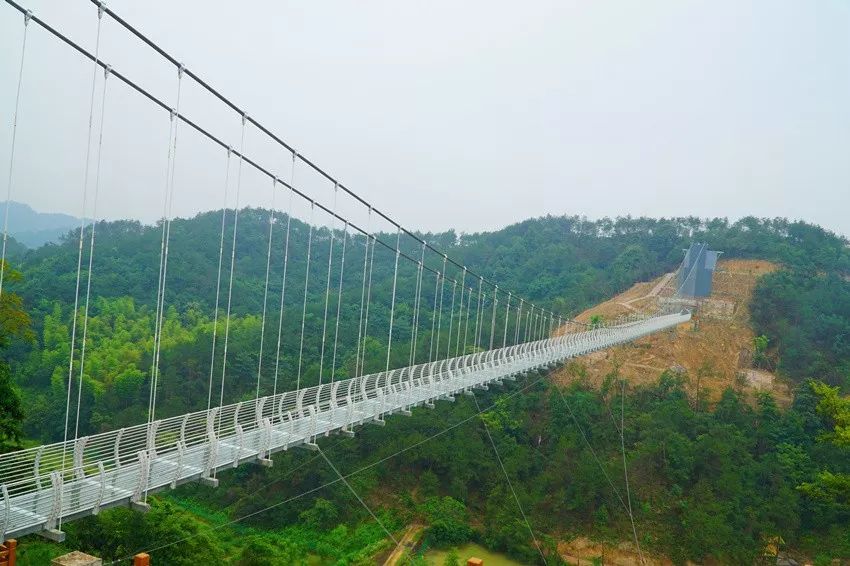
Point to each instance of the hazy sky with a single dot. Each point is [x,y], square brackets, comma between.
[466,115]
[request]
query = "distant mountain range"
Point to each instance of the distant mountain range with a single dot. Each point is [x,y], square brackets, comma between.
[34,229]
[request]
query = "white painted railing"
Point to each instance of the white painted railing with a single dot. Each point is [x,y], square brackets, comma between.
[119,467]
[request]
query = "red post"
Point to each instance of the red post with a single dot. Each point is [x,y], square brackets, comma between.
[7,553]
[142,559]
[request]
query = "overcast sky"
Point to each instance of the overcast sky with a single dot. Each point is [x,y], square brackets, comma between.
[468,115]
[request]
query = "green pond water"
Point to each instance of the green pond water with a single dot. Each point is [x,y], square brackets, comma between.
[437,557]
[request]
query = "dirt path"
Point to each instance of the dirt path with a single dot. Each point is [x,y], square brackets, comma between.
[661,284]
[653,293]
[405,544]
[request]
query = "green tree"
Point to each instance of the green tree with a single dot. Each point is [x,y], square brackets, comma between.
[11,411]
[322,515]
[14,326]
[269,551]
[760,351]
[449,522]
[118,533]
[832,488]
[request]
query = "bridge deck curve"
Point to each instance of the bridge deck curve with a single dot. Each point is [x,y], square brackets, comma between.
[78,478]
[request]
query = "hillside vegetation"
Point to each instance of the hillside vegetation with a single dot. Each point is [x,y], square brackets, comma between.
[709,481]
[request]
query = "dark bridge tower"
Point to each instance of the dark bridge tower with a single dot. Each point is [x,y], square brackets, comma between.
[697,271]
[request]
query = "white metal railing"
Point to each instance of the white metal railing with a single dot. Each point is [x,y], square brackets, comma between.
[68,480]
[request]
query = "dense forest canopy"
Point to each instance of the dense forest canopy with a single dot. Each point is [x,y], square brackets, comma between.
[707,481]
[563,263]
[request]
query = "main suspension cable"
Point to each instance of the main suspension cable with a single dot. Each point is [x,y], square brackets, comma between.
[241,113]
[265,130]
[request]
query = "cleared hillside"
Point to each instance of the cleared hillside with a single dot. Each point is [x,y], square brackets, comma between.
[714,349]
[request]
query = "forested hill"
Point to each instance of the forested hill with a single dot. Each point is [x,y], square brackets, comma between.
[33,229]
[562,262]
[708,484]
[566,263]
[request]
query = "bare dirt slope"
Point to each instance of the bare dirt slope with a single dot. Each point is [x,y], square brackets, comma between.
[714,349]
[582,551]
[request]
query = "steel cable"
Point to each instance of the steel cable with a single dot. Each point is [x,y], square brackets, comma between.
[266,290]
[339,299]
[218,280]
[283,277]
[328,288]
[304,307]
[27,16]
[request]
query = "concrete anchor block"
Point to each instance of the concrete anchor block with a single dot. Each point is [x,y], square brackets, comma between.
[54,535]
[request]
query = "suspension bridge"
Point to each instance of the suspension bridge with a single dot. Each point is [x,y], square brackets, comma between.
[488,335]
